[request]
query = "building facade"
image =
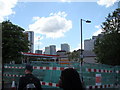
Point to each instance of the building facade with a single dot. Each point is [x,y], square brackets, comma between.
[61,52]
[47,50]
[52,50]
[89,55]
[30,37]
[38,51]
[65,47]
[89,44]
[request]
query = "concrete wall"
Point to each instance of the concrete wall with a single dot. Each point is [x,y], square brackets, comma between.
[89,60]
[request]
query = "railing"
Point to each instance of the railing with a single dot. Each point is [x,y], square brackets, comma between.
[94,75]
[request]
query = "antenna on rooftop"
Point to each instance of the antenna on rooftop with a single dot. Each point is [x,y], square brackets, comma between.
[38,42]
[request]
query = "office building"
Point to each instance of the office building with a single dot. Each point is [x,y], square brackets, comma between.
[89,44]
[47,50]
[89,55]
[52,50]
[30,37]
[65,47]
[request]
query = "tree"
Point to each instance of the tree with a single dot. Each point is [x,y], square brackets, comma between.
[74,56]
[107,48]
[14,42]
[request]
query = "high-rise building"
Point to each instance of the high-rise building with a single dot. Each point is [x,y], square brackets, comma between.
[65,47]
[47,50]
[89,43]
[30,37]
[52,50]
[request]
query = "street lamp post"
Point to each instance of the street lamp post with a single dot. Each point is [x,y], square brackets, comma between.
[81,51]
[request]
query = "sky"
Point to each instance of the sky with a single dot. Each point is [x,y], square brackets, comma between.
[55,22]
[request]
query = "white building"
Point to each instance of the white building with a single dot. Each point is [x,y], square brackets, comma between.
[30,37]
[89,44]
[47,50]
[52,50]
[89,55]
[65,47]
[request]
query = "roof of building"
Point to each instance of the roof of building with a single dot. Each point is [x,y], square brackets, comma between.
[39,55]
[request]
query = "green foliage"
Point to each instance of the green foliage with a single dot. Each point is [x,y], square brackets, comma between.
[74,56]
[112,23]
[14,42]
[107,48]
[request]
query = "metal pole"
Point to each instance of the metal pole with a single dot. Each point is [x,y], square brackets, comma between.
[81,44]
[81,54]
[81,51]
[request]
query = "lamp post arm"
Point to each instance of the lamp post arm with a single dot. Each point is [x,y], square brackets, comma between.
[83,20]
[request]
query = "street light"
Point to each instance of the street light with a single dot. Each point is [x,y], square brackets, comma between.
[81,53]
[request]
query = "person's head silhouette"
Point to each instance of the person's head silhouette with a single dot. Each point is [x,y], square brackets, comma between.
[70,80]
[28,69]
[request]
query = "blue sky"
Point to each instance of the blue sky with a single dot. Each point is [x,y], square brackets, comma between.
[59,22]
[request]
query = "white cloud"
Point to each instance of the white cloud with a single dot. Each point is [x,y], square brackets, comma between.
[78,47]
[58,48]
[97,26]
[107,3]
[6,7]
[35,18]
[76,0]
[98,31]
[53,26]
[65,0]
[57,1]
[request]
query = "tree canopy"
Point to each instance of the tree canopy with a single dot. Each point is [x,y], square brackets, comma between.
[14,42]
[107,48]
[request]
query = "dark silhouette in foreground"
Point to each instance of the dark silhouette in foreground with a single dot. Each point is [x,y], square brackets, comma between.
[29,81]
[70,80]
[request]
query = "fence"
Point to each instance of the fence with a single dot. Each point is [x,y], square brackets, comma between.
[94,75]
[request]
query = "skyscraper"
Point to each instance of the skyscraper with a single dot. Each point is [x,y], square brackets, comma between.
[65,47]
[90,43]
[30,37]
[47,50]
[52,50]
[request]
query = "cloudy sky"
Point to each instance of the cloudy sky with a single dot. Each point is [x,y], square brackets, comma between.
[57,21]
